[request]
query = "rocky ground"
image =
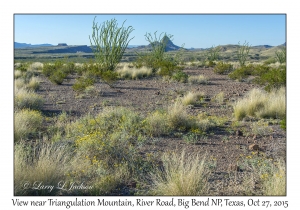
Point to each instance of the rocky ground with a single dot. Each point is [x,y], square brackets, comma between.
[223,146]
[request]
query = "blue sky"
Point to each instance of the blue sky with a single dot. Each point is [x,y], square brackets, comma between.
[192,30]
[195,30]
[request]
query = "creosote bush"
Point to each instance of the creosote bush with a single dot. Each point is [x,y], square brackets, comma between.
[223,68]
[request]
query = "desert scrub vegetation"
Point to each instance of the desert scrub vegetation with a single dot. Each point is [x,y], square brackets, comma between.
[156,123]
[261,104]
[181,174]
[26,122]
[223,68]
[199,79]
[268,173]
[243,53]
[108,43]
[281,55]
[131,72]
[192,98]
[158,61]
[27,99]
[44,163]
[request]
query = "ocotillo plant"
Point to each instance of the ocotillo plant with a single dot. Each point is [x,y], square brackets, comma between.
[109,42]
[158,45]
[213,53]
[243,52]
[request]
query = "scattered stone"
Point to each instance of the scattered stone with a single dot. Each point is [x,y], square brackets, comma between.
[234,167]
[239,133]
[253,147]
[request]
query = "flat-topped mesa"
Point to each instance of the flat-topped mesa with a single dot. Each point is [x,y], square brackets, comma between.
[62,44]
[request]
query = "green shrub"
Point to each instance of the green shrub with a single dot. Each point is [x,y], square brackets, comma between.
[26,122]
[167,67]
[82,83]
[241,73]
[23,67]
[48,69]
[283,123]
[223,68]
[180,76]
[273,78]
[57,77]
[191,138]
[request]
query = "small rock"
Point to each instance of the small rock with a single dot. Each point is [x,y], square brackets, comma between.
[239,133]
[234,167]
[253,147]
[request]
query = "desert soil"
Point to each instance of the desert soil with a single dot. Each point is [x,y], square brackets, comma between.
[146,95]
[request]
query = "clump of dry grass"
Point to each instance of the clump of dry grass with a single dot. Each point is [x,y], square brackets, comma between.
[177,116]
[157,124]
[20,83]
[26,122]
[130,72]
[33,84]
[36,66]
[258,103]
[45,164]
[18,74]
[182,175]
[200,79]
[27,99]
[192,98]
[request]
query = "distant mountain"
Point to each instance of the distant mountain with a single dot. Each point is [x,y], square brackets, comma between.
[263,46]
[23,45]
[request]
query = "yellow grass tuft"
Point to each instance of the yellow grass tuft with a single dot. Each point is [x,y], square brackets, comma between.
[134,73]
[192,98]
[182,175]
[199,79]
[27,99]
[26,122]
[258,103]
